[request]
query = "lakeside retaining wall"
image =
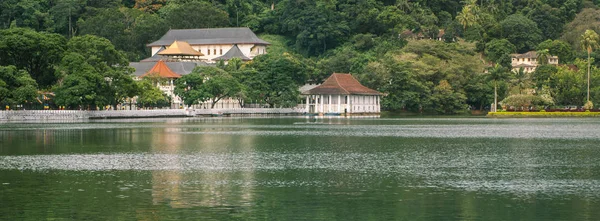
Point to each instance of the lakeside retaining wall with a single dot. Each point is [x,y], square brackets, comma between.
[41,115]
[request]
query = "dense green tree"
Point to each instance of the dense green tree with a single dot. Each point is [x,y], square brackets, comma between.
[16,86]
[587,19]
[567,87]
[521,32]
[65,14]
[195,14]
[35,52]
[94,62]
[542,74]
[150,95]
[499,51]
[548,20]
[188,88]
[558,48]
[447,101]
[218,84]
[82,86]
[282,75]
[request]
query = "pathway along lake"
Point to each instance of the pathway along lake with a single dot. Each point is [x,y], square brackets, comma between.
[301,169]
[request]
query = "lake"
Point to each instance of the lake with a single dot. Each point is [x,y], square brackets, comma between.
[301,169]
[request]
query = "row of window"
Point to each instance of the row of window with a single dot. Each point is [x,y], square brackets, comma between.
[551,60]
[214,51]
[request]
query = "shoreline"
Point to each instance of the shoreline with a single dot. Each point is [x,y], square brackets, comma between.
[525,114]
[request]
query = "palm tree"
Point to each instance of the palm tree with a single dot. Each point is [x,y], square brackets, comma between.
[497,73]
[542,56]
[468,16]
[589,42]
[520,80]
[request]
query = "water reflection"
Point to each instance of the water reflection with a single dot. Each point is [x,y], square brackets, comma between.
[266,169]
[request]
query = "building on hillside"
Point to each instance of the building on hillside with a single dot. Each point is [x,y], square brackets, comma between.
[528,61]
[171,71]
[342,94]
[180,51]
[215,42]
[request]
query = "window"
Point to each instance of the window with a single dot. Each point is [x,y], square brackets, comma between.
[221,51]
[215,51]
[208,51]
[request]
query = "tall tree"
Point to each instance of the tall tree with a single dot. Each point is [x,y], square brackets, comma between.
[35,52]
[469,15]
[542,56]
[16,86]
[497,74]
[589,42]
[521,32]
[195,14]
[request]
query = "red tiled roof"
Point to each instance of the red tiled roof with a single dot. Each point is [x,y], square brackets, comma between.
[342,84]
[162,70]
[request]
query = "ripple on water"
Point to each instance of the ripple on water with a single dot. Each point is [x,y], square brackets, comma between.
[480,173]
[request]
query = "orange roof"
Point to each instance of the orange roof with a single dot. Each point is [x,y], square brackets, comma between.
[180,48]
[342,84]
[162,70]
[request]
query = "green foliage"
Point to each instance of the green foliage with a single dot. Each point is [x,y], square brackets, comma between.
[218,84]
[447,101]
[544,114]
[95,74]
[499,51]
[281,76]
[16,86]
[195,14]
[521,32]
[150,95]
[558,48]
[188,88]
[587,19]
[35,52]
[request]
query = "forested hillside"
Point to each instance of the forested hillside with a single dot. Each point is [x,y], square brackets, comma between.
[436,56]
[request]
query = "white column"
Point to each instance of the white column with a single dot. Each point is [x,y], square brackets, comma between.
[349,104]
[329,105]
[307,100]
[321,105]
[339,104]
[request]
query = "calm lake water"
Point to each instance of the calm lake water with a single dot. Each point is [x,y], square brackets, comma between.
[301,169]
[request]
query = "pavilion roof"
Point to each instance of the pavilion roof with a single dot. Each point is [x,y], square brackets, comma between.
[180,48]
[162,70]
[339,83]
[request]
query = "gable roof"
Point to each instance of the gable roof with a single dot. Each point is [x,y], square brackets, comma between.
[162,70]
[529,54]
[210,36]
[156,57]
[180,48]
[234,52]
[342,84]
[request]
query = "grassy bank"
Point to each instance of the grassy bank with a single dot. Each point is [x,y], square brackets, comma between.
[543,114]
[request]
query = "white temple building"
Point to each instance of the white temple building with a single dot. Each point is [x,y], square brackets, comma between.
[342,94]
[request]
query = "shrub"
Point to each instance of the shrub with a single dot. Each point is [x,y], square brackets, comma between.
[588,105]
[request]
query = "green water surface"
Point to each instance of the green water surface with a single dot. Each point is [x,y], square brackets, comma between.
[301,169]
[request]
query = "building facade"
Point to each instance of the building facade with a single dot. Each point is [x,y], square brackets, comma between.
[179,51]
[528,61]
[214,42]
[342,94]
